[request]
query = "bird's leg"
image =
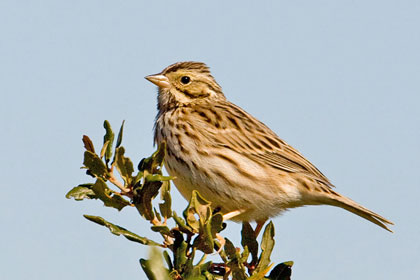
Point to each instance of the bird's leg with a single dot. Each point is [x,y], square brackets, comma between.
[232,214]
[259,227]
[222,241]
[226,217]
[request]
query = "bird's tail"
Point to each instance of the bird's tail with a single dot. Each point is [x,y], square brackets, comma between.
[350,205]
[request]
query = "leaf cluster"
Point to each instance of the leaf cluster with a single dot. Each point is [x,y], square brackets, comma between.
[185,237]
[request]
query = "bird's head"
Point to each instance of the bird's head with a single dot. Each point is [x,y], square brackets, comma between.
[185,82]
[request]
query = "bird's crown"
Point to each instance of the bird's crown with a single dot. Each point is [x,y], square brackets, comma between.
[186,82]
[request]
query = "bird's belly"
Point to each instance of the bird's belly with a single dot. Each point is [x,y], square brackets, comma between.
[248,190]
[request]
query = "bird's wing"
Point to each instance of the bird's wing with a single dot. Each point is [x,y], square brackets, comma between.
[250,137]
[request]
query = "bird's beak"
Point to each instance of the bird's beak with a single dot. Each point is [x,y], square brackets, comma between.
[159,80]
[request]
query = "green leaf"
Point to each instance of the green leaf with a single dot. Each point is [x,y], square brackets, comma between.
[180,255]
[98,190]
[165,207]
[216,224]
[117,230]
[204,268]
[137,178]
[154,163]
[188,268]
[157,177]
[208,275]
[235,264]
[267,245]
[201,206]
[249,240]
[81,192]
[168,260]
[289,263]
[104,148]
[153,267]
[159,155]
[164,230]
[120,135]
[124,166]
[157,214]
[145,164]
[88,144]
[109,136]
[230,249]
[95,165]
[260,274]
[193,272]
[143,197]
[147,268]
[238,272]
[204,240]
[165,190]
[281,271]
[245,255]
[198,205]
[109,198]
[207,233]
[182,224]
[206,229]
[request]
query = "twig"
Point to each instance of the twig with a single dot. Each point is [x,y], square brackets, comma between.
[115,181]
[168,241]
[202,260]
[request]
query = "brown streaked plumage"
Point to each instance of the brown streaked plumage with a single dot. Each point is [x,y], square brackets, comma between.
[231,158]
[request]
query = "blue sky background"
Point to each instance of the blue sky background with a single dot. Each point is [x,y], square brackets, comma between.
[338,80]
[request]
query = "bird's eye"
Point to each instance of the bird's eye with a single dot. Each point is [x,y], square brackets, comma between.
[185,80]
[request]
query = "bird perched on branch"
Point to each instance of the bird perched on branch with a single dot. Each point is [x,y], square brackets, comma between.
[233,160]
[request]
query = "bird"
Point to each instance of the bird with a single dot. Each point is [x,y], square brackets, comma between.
[232,159]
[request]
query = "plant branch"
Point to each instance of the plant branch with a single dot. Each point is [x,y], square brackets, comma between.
[117,183]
